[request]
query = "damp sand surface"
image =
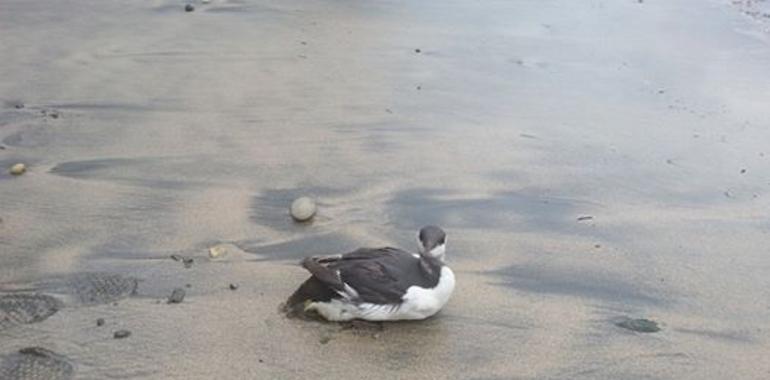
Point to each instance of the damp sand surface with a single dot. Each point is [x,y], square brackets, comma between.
[593,162]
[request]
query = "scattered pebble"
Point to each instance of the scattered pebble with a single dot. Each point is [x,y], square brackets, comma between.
[419,87]
[100,322]
[54,114]
[18,169]
[233,286]
[18,106]
[189,8]
[303,209]
[188,262]
[325,339]
[176,257]
[585,217]
[639,325]
[418,51]
[176,296]
[218,251]
[120,334]
[597,245]
[743,171]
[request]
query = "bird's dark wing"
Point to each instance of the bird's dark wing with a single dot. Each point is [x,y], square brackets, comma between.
[379,276]
[330,277]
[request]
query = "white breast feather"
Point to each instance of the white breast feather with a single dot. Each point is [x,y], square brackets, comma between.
[418,303]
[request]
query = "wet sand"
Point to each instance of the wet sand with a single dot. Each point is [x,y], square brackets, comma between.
[149,131]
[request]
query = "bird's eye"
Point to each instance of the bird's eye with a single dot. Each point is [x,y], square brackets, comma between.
[443,239]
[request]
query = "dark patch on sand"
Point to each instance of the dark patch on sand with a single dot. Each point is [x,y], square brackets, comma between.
[175,173]
[36,363]
[516,210]
[100,288]
[574,282]
[84,289]
[325,244]
[16,309]
[640,325]
[723,335]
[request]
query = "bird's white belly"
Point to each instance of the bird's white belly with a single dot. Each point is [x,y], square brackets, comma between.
[418,303]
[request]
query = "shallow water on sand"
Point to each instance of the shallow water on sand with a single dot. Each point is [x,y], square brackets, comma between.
[590,161]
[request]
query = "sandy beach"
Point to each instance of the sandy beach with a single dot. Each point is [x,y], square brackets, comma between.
[591,161]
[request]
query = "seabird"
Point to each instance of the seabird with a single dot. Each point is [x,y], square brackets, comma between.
[378,284]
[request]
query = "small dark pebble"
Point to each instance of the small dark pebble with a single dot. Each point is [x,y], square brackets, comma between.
[417,51]
[114,304]
[743,171]
[100,322]
[189,8]
[176,257]
[582,218]
[120,334]
[188,262]
[188,285]
[597,245]
[325,339]
[261,361]
[639,325]
[2,147]
[54,114]
[304,42]
[18,106]
[176,296]
[233,286]
[419,87]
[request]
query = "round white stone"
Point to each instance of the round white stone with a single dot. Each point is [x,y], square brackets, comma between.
[303,209]
[18,169]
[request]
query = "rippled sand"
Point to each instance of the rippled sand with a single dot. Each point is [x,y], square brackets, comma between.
[591,161]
